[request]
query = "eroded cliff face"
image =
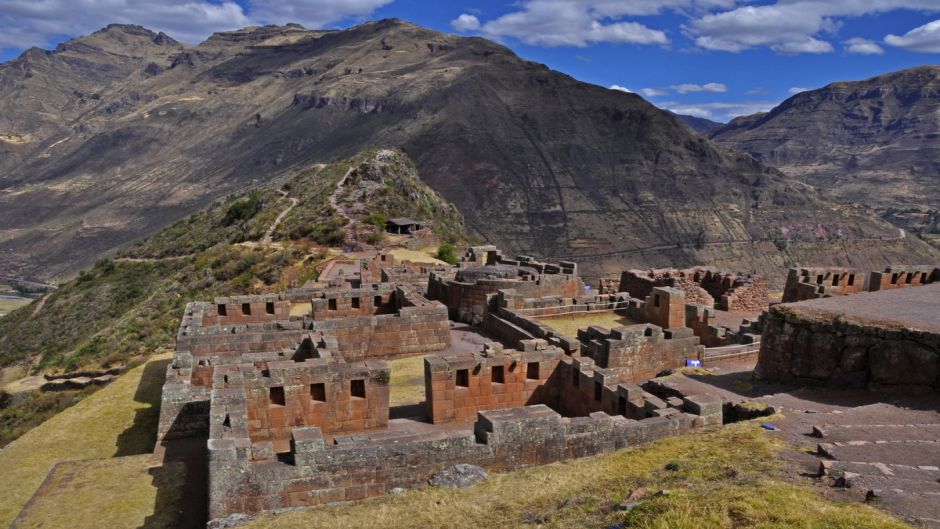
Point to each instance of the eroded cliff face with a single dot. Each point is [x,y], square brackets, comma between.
[875,141]
[122,132]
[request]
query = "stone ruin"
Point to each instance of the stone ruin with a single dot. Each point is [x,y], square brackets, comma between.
[705,286]
[822,282]
[483,271]
[291,390]
[883,340]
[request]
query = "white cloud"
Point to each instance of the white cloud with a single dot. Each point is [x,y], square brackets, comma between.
[621,88]
[788,26]
[566,23]
[860,46]
[466,22]
[653,92]
[797,89]
[925,39]
[40,23]
[686,88]
[723,111]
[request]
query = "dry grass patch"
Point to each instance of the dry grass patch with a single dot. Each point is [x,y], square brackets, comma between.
[9,304]
[722,478]
[117,420]
[424,255]
[569,325]
[116,492]
[407,384]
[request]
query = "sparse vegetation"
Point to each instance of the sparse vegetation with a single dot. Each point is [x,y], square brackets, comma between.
[19,416]
[729,477]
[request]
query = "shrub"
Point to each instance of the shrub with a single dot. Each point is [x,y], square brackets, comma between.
[242,210]
[376,219]
[447,252]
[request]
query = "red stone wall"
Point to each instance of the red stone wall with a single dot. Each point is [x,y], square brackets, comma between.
[340,407]
[812,283]
[457,387]
[247,309]
[665,307]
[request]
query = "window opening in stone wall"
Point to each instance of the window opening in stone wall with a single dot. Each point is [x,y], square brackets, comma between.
[354,302]
[656,300]
[269,307]
[598,389]
[318,392]
[222,310]
[463,378]
[851,279]
[277,397]
[357,388]
[246,309]
[498,374]
[532,371]
[331,304]
[622,405]
[377,301]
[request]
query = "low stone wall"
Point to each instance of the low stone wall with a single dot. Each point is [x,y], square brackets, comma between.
[240,310]
[243,480]
[798,346]
[639,352]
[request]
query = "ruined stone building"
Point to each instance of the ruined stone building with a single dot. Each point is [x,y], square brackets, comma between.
[291,390]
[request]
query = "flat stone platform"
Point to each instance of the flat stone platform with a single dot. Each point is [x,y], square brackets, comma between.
[915,307]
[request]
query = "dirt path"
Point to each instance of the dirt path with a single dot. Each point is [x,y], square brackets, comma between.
[39,305]
[269,235]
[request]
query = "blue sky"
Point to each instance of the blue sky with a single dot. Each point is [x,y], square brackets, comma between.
[711,58]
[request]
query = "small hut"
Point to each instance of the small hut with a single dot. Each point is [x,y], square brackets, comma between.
[403,225]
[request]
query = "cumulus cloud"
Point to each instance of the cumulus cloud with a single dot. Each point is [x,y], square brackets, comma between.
[860,46]
[40,23]
[797,89]
[719,111]
[925,39]
[788,26]
[466,22]
[653,92]
[621,88]
[686,88]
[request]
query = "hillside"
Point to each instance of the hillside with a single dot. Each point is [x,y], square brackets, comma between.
[700,125]
[132,304]
[115,135]
[876,142]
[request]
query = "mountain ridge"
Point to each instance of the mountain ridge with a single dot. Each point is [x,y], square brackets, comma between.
[873,141]
[536,161]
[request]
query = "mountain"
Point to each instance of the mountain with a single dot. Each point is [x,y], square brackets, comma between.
[700,125]
[876,142]
[112,136]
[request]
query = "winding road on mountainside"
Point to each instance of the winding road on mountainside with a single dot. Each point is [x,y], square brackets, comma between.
[269,235]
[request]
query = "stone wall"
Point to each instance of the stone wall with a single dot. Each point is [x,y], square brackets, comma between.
[240,310]
[797,346]
[418,327]
[813,283]
[903,276]
[246,479]
[333,396]
[371,300]
[703,286]
[459,386]
[639,352]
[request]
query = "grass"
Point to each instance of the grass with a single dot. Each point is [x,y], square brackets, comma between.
[424,255]
[569,325]
[114,492]
[407,384]
[33,409]
[9,305]
[724,478]
[120,419]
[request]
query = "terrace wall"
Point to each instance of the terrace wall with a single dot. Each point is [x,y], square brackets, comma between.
[812,283]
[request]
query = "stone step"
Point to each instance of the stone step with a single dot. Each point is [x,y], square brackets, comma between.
[894,432]
[895,471]
[912,453]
